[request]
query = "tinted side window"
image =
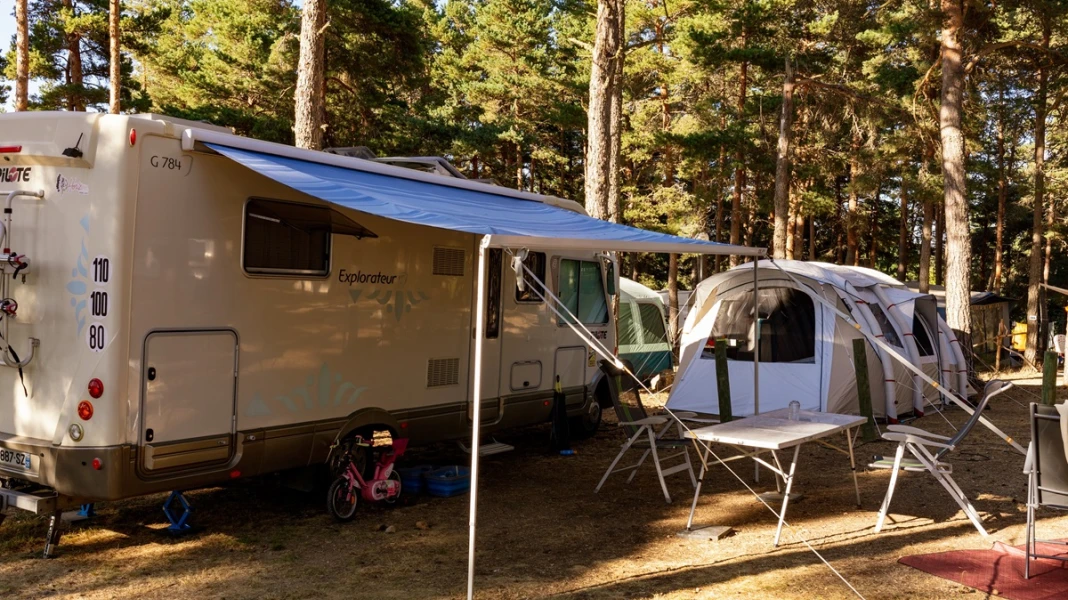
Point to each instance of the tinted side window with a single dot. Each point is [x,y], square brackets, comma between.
[493,292]
[582,291]
[286,238]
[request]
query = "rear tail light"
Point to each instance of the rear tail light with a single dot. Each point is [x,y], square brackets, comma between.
[98,464]
[96,388]
[85,410]
[10,149]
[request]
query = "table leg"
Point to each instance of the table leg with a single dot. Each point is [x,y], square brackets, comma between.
[700,482]
[853,462]
[786,497]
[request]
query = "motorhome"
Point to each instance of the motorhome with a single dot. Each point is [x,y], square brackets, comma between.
[172,319]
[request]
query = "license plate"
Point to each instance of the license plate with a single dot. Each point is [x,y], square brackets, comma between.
[16,460]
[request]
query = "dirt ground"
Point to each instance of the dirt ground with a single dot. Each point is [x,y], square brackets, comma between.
[544,533]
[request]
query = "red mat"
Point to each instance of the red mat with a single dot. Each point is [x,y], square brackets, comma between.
[1000,570]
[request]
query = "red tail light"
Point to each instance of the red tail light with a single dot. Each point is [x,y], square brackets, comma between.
[98,464]
[85,410]
[10,149]
[96,388]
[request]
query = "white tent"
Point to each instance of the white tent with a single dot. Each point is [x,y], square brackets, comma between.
[805,349]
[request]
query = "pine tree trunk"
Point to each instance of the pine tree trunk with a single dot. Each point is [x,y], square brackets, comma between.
[22,56]
[939,244]
[115,57]
[903,235]
[673,297]
[799,232]
[615,115]
[959,258]
[873,216]
[607,45]
[791,230]
[1002,195]
[719,203]
[75,80]
[852,243]
[782,167]
[1035,342]
[739,170]
[811,237]
[925,246]
[308,121]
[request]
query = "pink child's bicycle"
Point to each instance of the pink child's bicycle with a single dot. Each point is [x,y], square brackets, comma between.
[384,486]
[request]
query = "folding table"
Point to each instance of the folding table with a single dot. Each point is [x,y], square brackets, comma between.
[774,431]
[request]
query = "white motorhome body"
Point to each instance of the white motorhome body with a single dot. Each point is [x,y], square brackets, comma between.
[239,326]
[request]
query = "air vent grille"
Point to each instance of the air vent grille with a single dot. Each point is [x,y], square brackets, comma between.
[442,371]
[449,261]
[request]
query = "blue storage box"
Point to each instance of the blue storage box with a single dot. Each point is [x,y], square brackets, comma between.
[448,481]
[412,478]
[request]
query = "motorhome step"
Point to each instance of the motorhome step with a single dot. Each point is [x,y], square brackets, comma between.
[489,449]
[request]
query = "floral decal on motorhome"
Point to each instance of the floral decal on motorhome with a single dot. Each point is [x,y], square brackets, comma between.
[402,300]
[78,286]
[328,390]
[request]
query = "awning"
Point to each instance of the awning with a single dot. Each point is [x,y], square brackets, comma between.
[513,222]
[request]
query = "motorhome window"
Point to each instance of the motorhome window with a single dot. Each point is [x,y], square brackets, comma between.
[582,291]
[923,338]
[787,328]
[284,238]
[535,261]
[652,323]
[885,325]
[493,292]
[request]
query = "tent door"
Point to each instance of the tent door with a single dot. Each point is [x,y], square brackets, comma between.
[187,413]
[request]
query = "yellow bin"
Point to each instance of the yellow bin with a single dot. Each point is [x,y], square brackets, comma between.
[1019,337]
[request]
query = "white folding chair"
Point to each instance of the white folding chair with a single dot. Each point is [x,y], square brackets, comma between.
[649,434]
[928,451]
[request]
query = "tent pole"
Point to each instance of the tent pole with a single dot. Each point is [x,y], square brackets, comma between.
[476,413]
[756,345]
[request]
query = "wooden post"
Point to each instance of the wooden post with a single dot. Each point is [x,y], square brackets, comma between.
[1049,379]
[860,363]
[723,382]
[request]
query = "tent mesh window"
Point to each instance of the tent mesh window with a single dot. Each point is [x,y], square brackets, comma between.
[652,324]
[628,334]
[923,337]
[787,328]
[884,324]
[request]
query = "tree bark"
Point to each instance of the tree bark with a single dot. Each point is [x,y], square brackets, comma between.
[739,168]
[791,230]
[1035,342]
[1002,195]
[310,101]
[719,203]
[903,234]
[782,167]
[959,258]
[607,45]
[939,245]
[873,219]
[115,57]
[75,79]
[811,237]
[925,246]
[22,56]
[615,209]
[852,241]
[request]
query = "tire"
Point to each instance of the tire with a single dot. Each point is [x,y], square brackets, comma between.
[585,426]
[337,502]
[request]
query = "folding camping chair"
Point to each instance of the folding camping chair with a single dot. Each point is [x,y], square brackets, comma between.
[919,443]
[1047,473]
[642,434]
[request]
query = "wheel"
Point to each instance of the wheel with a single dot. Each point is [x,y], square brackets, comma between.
[395,476]
[585,425]
[340,501]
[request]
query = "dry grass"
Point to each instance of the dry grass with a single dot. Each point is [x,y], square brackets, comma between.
[542,532]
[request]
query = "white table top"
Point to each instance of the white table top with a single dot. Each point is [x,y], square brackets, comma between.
[775,431]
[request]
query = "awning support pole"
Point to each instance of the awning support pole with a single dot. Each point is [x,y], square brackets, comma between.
[756,346]
[476,414]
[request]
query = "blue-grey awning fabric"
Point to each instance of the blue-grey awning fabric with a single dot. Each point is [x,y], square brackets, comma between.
[512,222]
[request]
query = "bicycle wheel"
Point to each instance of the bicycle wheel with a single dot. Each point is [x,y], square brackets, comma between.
[395,476]
[341,501]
